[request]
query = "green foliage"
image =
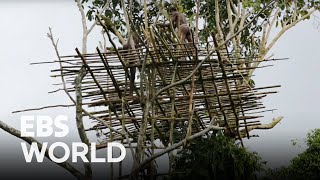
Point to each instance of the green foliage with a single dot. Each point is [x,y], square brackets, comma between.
[189,8]
[251,83]
[313,140]
[115,12]
[250,37]
[216,157]
[306,165]
[207,9]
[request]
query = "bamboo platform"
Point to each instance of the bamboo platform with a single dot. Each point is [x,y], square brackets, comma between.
[215,91]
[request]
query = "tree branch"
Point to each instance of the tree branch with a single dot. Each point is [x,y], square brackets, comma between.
[79,119]
[287,27]
[101,11]
[197,23]
[84,27]
[274,122]
[266,37]
[217,18]
[283,30]
[108,25]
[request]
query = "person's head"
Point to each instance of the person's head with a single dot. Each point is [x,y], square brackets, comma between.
[171,7]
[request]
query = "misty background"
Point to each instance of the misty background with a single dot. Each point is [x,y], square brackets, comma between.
[23,40]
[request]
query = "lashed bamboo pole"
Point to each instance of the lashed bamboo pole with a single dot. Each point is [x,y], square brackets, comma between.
[228,90]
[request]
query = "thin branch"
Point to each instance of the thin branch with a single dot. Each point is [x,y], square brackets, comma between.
[84,27]
[274,122]
[109,26]
[232,27]
[271,25]
[197,22]
[55,46]
[191,108]
[242,21]
[217,19]
[101,11]
[45,107]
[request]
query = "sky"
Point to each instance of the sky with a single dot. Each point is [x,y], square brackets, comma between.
[23,40]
